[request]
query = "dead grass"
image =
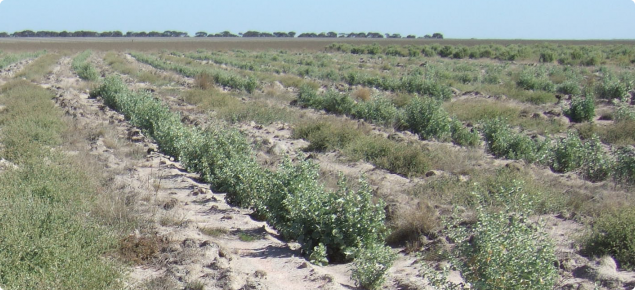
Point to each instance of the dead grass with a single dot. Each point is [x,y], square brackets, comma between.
[140,250]
[408,225]
[214,231]
[231,109]
[39,68]
[362,94]
[204,81]
[618,133]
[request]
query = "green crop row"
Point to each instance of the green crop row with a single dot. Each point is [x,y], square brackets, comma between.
[50,236]
[426,118]
[407,83]
[423,116]
[331,226]
[220,77]
[589,55]
[13,58]
[84,70]
[568,154]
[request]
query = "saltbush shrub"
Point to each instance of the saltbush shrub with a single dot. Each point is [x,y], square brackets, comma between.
[581,109]
[568,153]
[502,141]
[85,71]
[379,110]
[624,171]
[426,118]
[503,250]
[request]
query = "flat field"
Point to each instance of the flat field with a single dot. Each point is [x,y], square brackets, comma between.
[317,164]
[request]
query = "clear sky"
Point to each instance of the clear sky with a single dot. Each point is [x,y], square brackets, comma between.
[509,19]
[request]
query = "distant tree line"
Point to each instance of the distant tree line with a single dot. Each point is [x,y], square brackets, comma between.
[169,33]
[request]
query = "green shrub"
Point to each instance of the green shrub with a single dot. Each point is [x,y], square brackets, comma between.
[85,71]
[426,118]
[569,88]
[503,250]
[612,88]
[568,153]
[529,81]
[378,110]
[624,111]
[337,103]
[624,171]
[597,165]
[581,109]
[371,264]
[613,234]
[464,136]
[502,141]
[547,57]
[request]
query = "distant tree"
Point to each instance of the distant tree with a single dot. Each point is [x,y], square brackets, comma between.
[342,35]
[251,33]
[155,34]
[427,36]
[201,34]
[331,34]
[357,35]
[64,34]
[106,34]
[411,36]
[24,33]
[117,33]
[394,35]
[375,35]
[280,34]
[84,33]
[437,35]
[307,34]
[4,34]
[141,34]
[266,34]
[292,33]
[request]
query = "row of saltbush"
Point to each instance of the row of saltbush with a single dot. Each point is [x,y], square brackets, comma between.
[49,236]
[220,77]
[568,154]
[422,116]
[567,55]
[83,69]
[411,83]
[610,86]
[13,58]
[426,118]
[331,226]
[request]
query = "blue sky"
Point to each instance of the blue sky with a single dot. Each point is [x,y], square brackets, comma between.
[510,19]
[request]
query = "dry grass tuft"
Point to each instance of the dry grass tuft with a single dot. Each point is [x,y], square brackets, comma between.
[362,94]
[204,81]
[140,250]
[409,224]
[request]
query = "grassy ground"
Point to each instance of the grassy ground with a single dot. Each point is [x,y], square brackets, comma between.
[49,239]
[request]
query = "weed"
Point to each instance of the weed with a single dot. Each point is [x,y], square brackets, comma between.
[613,233]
